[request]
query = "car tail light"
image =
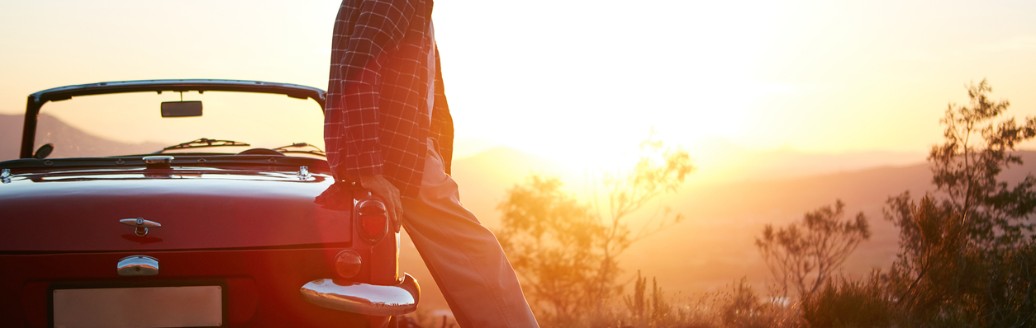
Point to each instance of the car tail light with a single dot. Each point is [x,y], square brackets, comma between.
[372,220]
[348,263]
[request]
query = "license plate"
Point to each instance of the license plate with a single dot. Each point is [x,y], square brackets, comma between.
[179,306]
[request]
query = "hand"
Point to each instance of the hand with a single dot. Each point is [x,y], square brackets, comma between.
[381,187]
[335,197]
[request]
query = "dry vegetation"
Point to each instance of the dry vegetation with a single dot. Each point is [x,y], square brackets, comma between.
[967,256]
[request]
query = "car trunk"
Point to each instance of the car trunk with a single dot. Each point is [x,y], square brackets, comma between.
[82,213]
[221,237]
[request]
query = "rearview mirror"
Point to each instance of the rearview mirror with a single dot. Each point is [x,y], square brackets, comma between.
[181,108]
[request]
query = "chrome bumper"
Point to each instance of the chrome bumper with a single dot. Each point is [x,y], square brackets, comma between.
[366,299]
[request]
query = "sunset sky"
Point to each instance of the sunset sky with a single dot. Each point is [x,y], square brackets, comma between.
[584,81]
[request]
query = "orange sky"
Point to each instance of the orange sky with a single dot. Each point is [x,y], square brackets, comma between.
[583,81]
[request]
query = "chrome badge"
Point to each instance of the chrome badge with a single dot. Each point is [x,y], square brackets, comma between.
[137,265]
[140,226]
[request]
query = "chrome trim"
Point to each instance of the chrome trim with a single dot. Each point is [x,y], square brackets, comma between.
[366,299]
[159,161]
[5,176]
[304,174]
[141,227]
[137,265]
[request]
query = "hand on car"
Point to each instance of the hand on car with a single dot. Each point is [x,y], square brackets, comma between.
[381,187]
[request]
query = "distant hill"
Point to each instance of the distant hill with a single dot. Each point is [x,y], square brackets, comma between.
[790,163]
[485,177]
[11,136]
[716,243]
[85,144]
[715,246]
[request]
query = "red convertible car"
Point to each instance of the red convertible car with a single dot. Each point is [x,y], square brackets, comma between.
[132,207]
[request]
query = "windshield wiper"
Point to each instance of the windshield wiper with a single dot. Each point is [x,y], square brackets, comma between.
[314,149]
[205,142]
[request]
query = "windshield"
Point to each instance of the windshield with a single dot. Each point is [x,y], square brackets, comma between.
[132,123]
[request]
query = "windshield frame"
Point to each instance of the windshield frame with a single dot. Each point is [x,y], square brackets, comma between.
[36,100]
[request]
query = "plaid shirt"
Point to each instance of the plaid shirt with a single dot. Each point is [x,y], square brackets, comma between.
[377,115]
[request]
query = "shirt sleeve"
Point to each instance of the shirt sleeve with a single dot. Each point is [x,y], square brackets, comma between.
[377,28]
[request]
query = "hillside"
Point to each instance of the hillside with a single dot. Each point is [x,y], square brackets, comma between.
[715,246]
[86,144]
[11,134]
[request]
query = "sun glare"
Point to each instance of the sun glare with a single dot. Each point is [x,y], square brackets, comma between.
[575,109]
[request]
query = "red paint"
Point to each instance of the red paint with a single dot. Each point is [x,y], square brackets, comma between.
[262,235]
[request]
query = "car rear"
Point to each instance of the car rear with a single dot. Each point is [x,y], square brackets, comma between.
[140,247]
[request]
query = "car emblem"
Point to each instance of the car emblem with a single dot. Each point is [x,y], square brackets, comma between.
[137,265]
[140,226]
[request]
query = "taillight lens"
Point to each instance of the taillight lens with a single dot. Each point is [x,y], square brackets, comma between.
[348,263]
[372,220]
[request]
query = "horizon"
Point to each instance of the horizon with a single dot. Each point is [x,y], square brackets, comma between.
[807,76]
[737,164]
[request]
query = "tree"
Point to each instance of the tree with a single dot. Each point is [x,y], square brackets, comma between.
[966,167]
[566,251]
[805,254]
[966,252]
[553,242]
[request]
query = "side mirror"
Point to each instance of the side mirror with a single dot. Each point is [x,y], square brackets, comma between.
[181,108]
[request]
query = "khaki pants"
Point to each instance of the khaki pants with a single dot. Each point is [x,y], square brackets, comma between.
[464,257]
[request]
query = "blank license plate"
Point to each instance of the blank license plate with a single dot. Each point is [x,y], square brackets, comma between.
[190,306]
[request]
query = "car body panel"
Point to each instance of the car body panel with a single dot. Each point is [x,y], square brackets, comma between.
[262,285]
[80,210]
[264,226]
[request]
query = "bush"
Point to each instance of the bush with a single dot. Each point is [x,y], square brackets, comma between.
[848,303]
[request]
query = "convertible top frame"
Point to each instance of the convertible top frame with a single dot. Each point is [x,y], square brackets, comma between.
[38,99]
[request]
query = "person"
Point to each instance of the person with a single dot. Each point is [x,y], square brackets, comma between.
[388,127]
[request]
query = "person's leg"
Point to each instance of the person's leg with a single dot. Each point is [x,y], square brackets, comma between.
[464,257]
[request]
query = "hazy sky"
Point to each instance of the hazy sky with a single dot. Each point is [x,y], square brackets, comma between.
[576,80]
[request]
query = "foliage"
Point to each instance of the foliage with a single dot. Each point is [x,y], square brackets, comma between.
[994,214]
[554,243]
[967,253]
[741,307]
[805,254]
[566,251]
[851,303]
[647,310]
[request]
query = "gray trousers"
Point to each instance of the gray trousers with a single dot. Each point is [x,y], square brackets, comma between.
[464,257]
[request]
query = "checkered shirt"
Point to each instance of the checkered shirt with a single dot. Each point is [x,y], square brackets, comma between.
[376,116]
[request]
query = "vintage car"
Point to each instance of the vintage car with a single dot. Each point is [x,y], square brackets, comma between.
[132,207]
